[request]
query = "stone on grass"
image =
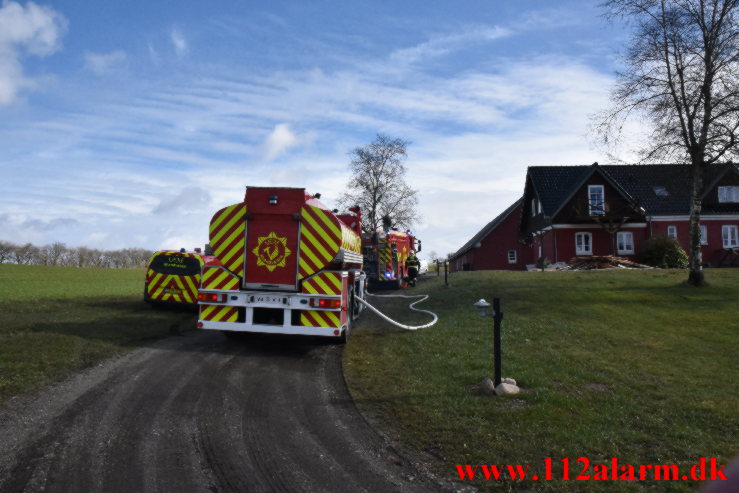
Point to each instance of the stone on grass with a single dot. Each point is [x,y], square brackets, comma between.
[509,380]
[506,389]
[487,386]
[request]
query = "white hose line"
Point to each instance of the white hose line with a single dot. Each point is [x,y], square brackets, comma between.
[423,297]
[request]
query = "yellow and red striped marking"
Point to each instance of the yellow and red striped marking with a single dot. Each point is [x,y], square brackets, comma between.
[228,235]
[219,313]
[324,283]
[320,240]
[318,318]
[185,288]
[350,240]
[385,258]
[216,277]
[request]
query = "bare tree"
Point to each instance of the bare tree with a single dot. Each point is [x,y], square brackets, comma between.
[26,254]
[6,251]
[59,254]
[682,74]
[378,184]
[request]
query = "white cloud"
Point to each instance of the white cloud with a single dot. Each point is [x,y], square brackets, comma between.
[21,228]
[33,29]
[443,45]
[190,199]
[153,53]
[178,42]
[104,63]
[279,141]
[473,134]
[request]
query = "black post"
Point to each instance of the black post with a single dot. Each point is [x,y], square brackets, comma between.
[498,319]
[438,268]
[446,274]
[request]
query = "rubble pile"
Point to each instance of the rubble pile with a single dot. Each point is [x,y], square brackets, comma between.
[603,262]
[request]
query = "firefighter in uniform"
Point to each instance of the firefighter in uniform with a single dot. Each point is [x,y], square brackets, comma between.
[412,264]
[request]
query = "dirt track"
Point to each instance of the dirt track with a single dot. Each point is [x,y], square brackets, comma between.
[199,412]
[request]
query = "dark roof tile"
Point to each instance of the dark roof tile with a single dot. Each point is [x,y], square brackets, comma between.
[554,185]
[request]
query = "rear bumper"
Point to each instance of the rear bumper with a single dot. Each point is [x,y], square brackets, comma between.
[270,329]
[273,313]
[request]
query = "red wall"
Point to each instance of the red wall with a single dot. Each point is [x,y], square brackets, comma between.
[559,244]
[493,250]
[713,252]
[602,242]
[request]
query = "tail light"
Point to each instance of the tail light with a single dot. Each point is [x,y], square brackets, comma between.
[326,303]
[211,297]
[329,303]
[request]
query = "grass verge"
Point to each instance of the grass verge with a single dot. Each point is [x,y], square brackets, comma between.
[626,364]
[56,320]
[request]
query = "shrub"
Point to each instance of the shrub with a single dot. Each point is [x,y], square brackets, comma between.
[664,252]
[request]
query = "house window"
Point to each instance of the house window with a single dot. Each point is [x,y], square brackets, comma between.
[583,244]
[533,207]
[704,235]
[596,200]
[729,235]
[672,231]
[625,240]
[512,256]
[660,191]
[728,194]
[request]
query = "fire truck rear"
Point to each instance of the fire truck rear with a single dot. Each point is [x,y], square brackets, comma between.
[288,265]
[385,255]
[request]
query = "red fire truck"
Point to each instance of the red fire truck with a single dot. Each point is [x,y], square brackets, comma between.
[287,265]
[385,255]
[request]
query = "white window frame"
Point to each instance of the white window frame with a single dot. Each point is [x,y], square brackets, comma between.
[672,231]
[628,245]
[704,234]
[512,259]
[533,207]
[728,193]
[730,236]
[595,208]
[579,250]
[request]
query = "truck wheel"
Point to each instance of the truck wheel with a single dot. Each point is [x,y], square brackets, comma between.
[345,334]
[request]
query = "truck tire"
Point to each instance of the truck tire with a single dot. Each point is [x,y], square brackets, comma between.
[345,333]
[350,316]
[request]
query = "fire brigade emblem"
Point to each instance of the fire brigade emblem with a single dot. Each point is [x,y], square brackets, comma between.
[271,251]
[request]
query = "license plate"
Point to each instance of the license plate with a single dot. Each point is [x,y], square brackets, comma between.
[172,291]
[271,300]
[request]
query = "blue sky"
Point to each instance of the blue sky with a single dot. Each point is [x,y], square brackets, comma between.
[128,124]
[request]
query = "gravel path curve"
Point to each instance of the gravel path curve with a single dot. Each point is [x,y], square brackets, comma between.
[201,412]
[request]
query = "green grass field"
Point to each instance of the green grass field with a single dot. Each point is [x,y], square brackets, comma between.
[56,320]
[626,364]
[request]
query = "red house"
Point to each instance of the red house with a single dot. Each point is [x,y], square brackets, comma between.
[570,211]
[496,246]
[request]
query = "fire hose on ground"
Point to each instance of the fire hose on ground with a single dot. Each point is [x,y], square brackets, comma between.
[423,297]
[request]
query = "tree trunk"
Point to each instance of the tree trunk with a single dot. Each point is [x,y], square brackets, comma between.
[696,276]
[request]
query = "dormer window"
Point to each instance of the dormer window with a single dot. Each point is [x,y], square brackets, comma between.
[535,207]
[596,200]
[660,191]
[728,194]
